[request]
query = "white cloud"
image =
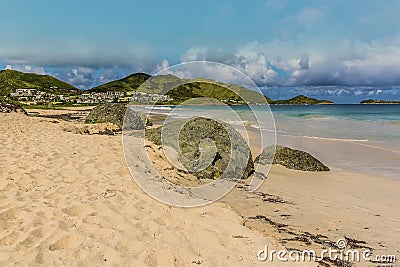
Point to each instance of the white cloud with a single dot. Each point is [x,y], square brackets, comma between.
[358,93]
[246,59]
[280,63]
[255,65]
[197,53]
[372,63]
[164,64]
[81,77]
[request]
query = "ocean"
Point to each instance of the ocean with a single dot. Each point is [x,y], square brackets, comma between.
[350,122]
[359,122]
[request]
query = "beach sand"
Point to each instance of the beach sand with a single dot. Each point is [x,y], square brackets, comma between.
[69,199]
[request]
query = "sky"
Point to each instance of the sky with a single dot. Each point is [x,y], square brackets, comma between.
[342,50]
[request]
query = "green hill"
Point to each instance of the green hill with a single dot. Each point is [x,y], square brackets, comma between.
[129,83]
[183,89]
[12,79]
[301,100]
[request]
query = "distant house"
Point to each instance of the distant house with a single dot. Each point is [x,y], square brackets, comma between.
[119,94]
[24,92]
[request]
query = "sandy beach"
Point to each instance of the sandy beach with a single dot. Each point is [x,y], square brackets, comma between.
[68,199]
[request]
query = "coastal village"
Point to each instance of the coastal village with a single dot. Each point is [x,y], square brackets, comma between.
[30,96]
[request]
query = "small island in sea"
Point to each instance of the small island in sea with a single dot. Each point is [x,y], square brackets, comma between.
[375,101]
[300,100]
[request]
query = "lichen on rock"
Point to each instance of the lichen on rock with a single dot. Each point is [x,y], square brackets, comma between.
[209,149]
[290,158]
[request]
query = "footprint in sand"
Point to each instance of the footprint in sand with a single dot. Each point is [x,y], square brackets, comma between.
[73,210]
[34,238]
[9,239]
[39,218]
[8,218]
[66,242]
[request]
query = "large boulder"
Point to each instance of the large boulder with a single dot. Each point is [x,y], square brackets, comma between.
[208,149]
[290,158]
[6,107]
[114,113]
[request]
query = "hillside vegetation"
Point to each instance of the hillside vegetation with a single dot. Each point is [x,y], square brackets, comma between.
[182,89]
[129,83]
[185,89]
[12,79]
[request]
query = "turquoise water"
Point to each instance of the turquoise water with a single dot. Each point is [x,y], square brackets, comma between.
[353,122]
[349,122]
[350,112]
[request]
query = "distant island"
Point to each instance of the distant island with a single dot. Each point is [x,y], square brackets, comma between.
[374,101]
[33,89]
[301,100]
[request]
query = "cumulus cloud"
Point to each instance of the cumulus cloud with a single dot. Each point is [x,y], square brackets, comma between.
[255,65]
[247,60]
[85,77]
[197,53]
[81,77]
[279,63]
[164,64]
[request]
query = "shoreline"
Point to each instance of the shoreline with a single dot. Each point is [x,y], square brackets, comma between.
[303,210]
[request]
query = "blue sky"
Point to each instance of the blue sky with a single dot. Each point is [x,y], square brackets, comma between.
[310,45]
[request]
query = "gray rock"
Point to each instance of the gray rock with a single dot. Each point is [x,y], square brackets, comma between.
[114,113]
[205,147]
[135,120]
[10,107]
[290,158]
